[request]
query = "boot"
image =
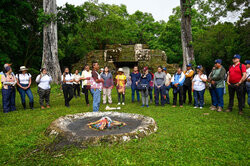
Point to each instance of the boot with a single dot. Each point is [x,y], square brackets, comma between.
[32,105]
[24,105]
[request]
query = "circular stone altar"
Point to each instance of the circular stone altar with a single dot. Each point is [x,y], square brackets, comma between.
[74,129]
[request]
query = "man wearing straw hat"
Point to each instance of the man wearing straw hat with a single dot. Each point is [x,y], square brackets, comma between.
[23,83]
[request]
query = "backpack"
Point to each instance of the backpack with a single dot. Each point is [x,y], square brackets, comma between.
[1,85]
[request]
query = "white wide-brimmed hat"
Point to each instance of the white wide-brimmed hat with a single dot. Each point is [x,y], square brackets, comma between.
[120,70]
[23,68]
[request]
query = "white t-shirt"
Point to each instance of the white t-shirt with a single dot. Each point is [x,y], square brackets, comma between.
[77,78]
[168,79]
[23,78]
[68,77]
[248,73]
[86,74]
[199,85]
[44,82]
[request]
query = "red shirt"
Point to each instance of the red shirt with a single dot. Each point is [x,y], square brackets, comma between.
[235,74]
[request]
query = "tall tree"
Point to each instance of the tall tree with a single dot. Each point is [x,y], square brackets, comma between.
[50,50]
[186,32]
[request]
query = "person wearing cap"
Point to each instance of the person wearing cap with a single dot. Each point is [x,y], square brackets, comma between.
[177,82]
[67,86]
[96,87]
[199,87]
[216,79]
[121,86]
[187,86]
[134,77]
[248,81]
[235,81]
[76,83]
[144,82]
[107,85]
[245,84]
[151,86]
[159,81]
[23,86]
[8,90]
[167,84]
[44,80]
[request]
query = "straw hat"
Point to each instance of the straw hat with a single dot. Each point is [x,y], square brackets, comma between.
[23,68]
[120,70]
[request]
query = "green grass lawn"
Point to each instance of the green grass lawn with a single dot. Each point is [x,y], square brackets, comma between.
[185,136]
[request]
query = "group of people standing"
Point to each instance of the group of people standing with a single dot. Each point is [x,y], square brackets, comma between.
[22,81]
[185,84]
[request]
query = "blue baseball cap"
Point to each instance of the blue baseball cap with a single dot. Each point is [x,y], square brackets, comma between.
[237,56]
[247,62]
[199,67]
[189,65]
[165,69]
[218,61]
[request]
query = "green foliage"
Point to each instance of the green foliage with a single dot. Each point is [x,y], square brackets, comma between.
[185,136]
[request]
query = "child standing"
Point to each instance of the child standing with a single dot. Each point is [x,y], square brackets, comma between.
[121,85]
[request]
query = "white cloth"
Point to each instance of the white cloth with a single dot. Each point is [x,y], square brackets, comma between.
[44,82]
[77,78]
[68,77]
[248,73]
[168,79]
[199,85]
[86,74]
[23,78]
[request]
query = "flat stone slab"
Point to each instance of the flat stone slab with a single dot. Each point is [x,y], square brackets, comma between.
[73,129]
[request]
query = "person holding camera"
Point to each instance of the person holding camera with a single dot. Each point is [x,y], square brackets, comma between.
[67,86]
[44,80]
[144,84]
[216,79]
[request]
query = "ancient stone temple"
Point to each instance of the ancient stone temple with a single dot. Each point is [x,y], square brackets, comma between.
[126,57]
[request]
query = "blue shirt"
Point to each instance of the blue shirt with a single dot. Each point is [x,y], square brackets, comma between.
[134,78]
[146,80]
[178,78]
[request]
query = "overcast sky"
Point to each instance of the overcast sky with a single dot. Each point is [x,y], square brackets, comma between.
[160,9]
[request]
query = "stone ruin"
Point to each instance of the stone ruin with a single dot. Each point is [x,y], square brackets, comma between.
[127,56]
[74,129]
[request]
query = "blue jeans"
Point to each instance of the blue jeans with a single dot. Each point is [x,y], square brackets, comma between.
[8,97]
[96,99]
[167,88]
[23,92]
[217,96]
[133,94]
[248,94]
[199,98]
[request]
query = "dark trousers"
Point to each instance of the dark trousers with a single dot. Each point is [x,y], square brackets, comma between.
[8,97]
[167,88]
[239,92]
[119,97]
[44,95]
[76,89]
[189,90]
[133,88]
[150,91]
[175,93]
[160,91]
[86,91]
[68,93]
[244,95]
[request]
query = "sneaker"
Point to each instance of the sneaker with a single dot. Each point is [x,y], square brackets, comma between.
[201,107]
[42,107]
[142,106]
[228,110]
[174,106]
[119,104]
[240,112]
[219,109]
[48,106]
[147,106]
[213,108]
[123,103]
[195,107]
[181,106]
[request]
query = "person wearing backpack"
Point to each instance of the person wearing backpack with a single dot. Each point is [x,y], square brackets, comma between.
[248,81]
[8,90]
[144,84]
[134,77]
[216,80]
[67,86]
[23,86]
[187,86]
[235,80]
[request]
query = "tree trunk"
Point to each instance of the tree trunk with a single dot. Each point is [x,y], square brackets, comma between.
[50,50]
[186,33]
